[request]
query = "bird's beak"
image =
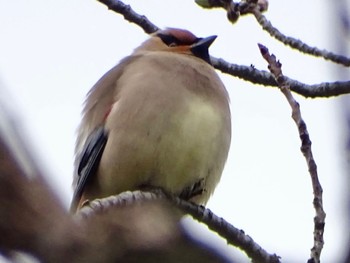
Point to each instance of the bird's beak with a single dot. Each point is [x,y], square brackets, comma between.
[200,48]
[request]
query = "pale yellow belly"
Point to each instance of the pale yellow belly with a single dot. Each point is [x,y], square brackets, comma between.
[173,152]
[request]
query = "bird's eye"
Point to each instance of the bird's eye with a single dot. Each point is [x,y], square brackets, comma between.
[169,40]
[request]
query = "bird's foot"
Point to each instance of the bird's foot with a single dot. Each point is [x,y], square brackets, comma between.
[193,190]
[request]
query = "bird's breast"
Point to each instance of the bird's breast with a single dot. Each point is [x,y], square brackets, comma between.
[164,130]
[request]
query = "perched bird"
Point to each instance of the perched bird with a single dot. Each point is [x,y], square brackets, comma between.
[160,118]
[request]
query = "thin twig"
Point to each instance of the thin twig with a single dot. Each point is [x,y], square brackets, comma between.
[298,44]
[255,7]
[130,15]
[233,235]
[275,68]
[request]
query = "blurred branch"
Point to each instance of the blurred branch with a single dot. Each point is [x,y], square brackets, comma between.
[234,236]
[256,7]
[340,39]
[326,89]
[10,132]
[275,68]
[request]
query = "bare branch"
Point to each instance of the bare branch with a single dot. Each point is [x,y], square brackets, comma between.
[298,44]
[256,7]
[127,198]
[130,15]
[234,236]
[319,220]
[251,74]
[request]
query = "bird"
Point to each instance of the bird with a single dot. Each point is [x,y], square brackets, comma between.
[158,119]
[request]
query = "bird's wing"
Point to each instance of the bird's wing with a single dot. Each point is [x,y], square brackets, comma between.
[91,140]
[89,161]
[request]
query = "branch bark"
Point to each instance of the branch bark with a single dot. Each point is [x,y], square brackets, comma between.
[233,235]
[319,220]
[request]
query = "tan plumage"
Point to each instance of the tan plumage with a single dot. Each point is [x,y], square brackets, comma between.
[167,116]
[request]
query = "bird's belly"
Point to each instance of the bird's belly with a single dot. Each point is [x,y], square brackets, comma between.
[190,147]
[172,151]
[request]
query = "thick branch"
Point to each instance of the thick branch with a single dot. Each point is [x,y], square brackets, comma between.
[319,220]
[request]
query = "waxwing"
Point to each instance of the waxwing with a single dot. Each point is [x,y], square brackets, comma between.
[160,118]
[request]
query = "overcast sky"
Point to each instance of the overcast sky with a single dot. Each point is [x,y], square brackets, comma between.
[52,53]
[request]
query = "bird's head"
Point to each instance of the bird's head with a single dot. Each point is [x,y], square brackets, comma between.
[178,41]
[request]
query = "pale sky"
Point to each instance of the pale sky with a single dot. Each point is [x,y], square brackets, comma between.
[52,52]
